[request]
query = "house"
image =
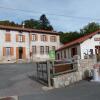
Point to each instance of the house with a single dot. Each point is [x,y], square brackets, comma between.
[86,46]
[26,44]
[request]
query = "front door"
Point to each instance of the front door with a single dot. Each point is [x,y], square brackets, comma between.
[20,52]
[97,49]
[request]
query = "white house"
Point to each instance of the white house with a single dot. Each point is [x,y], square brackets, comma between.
[26,44]
[86,46]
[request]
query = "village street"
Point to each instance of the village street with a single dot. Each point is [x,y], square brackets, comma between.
[15,80]
[80,91]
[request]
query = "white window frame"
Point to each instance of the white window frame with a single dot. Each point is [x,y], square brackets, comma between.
[33,37]
[20,38]
[8,51]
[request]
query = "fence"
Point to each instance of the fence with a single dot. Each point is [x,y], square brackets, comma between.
[47,70]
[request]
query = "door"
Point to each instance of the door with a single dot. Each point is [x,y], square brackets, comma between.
[20,52]
[97,50]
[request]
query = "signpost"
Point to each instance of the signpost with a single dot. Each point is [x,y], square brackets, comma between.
[52,57]
[52,54]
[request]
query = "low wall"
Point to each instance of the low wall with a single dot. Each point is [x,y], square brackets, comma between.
[66,79]
[69,78]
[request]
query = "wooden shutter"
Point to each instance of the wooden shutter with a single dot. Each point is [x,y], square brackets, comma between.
[11,51]
[55,38]
[36,37]
[24,53]
[30,37]
[17,52]
[4,51]
[16,37]
[47,38]
[23,37]
[7,37]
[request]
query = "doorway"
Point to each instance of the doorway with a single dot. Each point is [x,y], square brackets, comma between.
[20,52]
[97,50]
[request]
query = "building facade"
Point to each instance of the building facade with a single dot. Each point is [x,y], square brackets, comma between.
[26,44]
[86,46]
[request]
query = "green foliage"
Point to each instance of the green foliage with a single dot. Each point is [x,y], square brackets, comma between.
[70,36]
[91,27]
[31,23]
[43,23]
[8,23]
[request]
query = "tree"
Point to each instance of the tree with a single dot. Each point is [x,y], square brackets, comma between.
[31,23]
[69,36]
[9,23]
[91,27]
[45,24]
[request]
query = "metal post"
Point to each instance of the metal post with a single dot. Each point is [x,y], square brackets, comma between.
[37,70]
[48,74]
[53,69]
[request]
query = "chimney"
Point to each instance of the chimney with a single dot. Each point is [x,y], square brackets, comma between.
[23,25]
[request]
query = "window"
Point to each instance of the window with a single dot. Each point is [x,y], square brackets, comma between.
[20,38]
[47,49]
[8,37]
[41,49]
[33,37]
[7,31]
[53,48]
[58,56]
[43,37]
[7,51]
[53,38]
[61,55]
[64,53]
[73,52]
[34,49]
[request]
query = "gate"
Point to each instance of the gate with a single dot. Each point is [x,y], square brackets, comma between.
[43,72]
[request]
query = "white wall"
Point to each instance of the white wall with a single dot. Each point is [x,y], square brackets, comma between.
[44,43]
[26,44]
[68,52]
[89,44]
[13,42]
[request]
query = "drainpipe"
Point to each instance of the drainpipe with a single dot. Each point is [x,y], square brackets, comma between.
[29,46]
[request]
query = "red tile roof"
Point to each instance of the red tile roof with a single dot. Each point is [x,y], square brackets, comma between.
[79,40]
[27,30]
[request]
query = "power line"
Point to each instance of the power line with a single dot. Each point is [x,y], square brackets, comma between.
[32,11]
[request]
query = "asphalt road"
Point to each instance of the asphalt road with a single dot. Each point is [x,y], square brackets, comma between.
[79,91]
[15,79]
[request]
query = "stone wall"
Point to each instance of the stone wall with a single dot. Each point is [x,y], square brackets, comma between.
[85,65]
[66,79]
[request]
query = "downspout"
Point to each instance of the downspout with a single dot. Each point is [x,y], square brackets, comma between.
[29,47]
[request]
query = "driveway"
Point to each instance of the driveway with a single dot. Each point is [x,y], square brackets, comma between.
[15,79]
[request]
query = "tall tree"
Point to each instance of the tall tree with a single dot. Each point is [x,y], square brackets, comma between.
[45,24]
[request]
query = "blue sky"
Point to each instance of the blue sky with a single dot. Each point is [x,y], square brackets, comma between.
[76,13]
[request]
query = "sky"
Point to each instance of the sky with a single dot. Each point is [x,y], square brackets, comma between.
[64,15]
